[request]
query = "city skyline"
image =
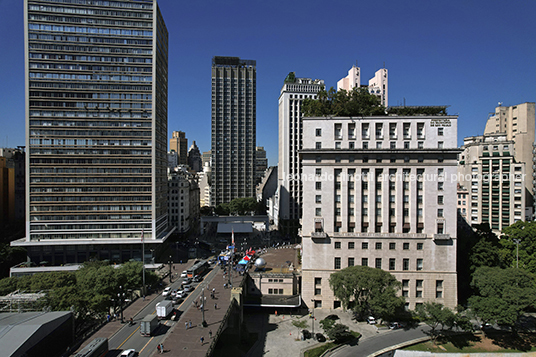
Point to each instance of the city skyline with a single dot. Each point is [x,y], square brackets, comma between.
[464,55]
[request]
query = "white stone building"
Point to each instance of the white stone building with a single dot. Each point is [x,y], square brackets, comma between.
[183,200]
[380,192]
[378,85]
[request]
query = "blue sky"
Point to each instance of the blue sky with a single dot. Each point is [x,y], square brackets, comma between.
[467,54]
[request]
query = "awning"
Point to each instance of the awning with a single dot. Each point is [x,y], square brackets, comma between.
[236,227]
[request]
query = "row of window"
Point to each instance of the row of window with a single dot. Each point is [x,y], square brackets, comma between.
[378,245]
[379,145]
[365,130]
[378,263]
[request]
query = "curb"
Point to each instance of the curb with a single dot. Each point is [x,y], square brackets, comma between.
[400,345]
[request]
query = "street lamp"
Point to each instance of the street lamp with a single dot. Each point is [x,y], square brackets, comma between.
[203,301]
[121,297]
[170,264]
[313,317]
[517,241]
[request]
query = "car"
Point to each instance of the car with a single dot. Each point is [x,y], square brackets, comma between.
[395,325]
[181,294]
[128,353]
[167,291]
[320,337]
[306,334]
[197,279]
[186,281]
[371,320]
[187,288]
[184,274]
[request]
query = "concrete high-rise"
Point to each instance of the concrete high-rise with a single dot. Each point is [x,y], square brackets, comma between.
[179,144]
[378,85]
[261,164]
[96,118]
[517,122]
[234,82]
[294,92]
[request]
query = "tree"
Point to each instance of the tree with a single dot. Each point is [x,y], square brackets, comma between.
[435,314]
[502,294]
[338,332]
[367,291]
[525,233]
[356,102]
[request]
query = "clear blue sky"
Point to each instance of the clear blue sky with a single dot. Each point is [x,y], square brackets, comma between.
[466,54]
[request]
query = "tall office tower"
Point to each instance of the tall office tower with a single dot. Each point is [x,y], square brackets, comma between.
[378,85]
[261,164]
[294,92]
[96,119]
[194,158]
[381,194]
[493,180]
[517,123]
[234,83]
[179,144]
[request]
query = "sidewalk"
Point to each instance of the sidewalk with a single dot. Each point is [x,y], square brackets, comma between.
[109,329]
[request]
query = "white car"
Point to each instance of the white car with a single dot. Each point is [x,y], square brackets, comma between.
[184,274]
[166,291]
[371,320]
[187,288]
[129,353]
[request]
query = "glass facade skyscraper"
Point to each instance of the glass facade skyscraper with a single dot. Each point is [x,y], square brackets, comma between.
[96,119]
[234,83]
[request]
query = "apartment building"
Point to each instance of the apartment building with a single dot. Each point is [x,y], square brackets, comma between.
[179,144]
[234,116]
[96,118]
[183,203]
[494,181]
[381,194]
[377,85]
[293,93]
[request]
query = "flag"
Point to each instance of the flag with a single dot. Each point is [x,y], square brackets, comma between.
[232,236]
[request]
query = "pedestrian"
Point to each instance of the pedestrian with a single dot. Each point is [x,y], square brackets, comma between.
[108,317]
[190,324]
[161,348]
[186,325]
[158,348]
[202,339]
[215,306]
[213,290]
[210,333]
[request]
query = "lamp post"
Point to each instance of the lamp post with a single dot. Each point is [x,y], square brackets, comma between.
[121,297]
[313,303]
[517,241]
[170,264]
[204,322]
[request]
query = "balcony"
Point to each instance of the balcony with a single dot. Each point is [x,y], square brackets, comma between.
[319,235]
[441,236]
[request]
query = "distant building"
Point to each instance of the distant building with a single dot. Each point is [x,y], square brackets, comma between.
[517,123]
[378,85]
[234,110]
[261,163]
[205,187]
[267,190]
[494,180]
[380,193]
[194,158]
[293,93]
[179,144]
[206,157]
[172,160]
[183,202]
[12,185]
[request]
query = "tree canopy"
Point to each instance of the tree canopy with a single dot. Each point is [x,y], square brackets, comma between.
[502,294]
[357,102]
[367,291]
[241,206]
[525,232]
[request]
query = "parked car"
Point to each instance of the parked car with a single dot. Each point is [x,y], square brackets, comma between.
[395,325]
[371,320]
[320,337]
[167,291]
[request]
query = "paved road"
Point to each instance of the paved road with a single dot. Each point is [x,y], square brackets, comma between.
[129,336]
[383,339]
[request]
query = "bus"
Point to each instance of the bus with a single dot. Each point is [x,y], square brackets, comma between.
[198,269]
[96,348]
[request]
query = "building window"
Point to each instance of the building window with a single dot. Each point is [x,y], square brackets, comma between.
[392,263]
[318,185]
[364,262]
[440,212]
[405,246]
[418,293]
[318,291]
[336,304]
[440,145]
[318,199]
[440,186]
[405,264]
[318,145]
[378,245]
[364,245]
[350,262]
[318,132]
[351,245]
[439,294]
[440,200]
[420,144]
[337,145]
[439,284]
[318,281]
[378,264]
[318,211]
[439,131]
[419,264]
[337,264]
[392,246]
[337,245]
[419,246]
[318,172]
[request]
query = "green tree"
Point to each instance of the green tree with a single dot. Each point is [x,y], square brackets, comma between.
[367,291]
[338,333]
[357,102]
[222,209]
[435,314]
[525,232]
[502,294]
